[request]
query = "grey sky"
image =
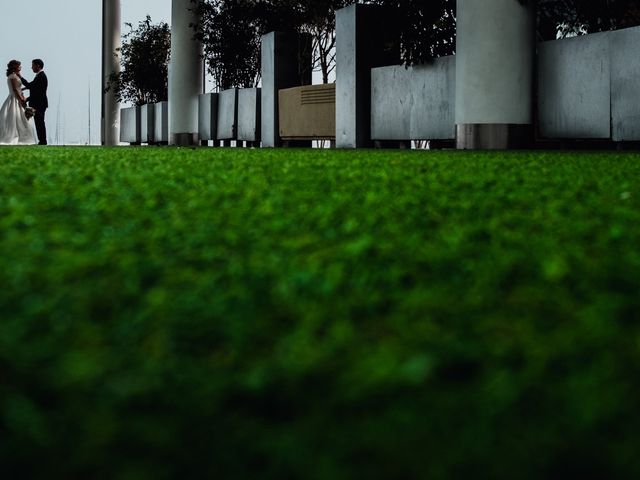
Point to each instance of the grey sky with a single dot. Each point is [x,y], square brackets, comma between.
[67,35]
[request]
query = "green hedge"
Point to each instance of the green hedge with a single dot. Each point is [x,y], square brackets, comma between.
[305,314]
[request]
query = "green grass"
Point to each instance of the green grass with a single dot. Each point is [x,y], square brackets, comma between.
[299,314]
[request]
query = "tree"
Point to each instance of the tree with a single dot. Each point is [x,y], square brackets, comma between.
[145,55]
[318,19]
[230,31]
[427,28]
[575,17]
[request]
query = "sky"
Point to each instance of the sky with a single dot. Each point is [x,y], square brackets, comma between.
[67,35]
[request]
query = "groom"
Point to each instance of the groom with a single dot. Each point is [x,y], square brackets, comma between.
[38,98]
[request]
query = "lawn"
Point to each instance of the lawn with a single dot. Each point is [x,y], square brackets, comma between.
[312,314]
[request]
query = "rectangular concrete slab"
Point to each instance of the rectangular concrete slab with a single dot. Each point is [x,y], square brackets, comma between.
[391,103]
[286,63]
[147,123]
[208,116]
[130,125]
[346,78]
[249,114]
[365,39]
[415,103]
[161,122]
[228,114]
[574,78]
[269,98]
[433,108]
[625,84]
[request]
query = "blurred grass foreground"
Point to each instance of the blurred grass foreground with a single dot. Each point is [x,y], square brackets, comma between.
[307,314]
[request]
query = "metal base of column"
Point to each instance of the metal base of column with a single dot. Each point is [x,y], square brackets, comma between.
[493,136]
[185,139]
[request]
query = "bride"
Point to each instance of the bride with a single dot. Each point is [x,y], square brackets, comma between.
[15,128]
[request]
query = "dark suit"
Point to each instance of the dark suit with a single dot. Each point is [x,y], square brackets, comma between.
[38,100]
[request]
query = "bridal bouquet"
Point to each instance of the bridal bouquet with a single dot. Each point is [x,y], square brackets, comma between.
[29,112]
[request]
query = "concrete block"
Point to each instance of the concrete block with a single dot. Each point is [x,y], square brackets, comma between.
[625,84]
[147,123]
[130,125]
[161,122]
[391,103]
[574,79]
[434,100]
[415,103]
[208,116]
[228,114]
[366,38]
[286,63]
[249,114]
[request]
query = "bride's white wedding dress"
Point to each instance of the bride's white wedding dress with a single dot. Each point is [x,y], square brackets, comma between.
[15,129]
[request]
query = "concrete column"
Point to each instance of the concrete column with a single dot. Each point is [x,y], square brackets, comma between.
[161,132]
[249,114]
[110,114]
[286,63]
[366,38]
[494,73]
[208,117]
[185,75]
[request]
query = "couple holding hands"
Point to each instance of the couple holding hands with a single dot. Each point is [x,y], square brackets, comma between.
[15,128]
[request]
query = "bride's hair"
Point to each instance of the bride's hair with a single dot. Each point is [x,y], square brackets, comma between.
[12,66]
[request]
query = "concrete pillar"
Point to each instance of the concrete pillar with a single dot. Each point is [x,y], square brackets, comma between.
[185,75]
[148,124]
[131,125]
[208,117]
[494,73]
[366,38]
[249,114]
[110,111]
[227,115]
[161,132]
[286,63]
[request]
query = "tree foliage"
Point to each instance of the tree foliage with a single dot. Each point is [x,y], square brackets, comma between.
[144,60]
[317,18]
[574,17]
[231,29]
[230,33]
[427,28]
